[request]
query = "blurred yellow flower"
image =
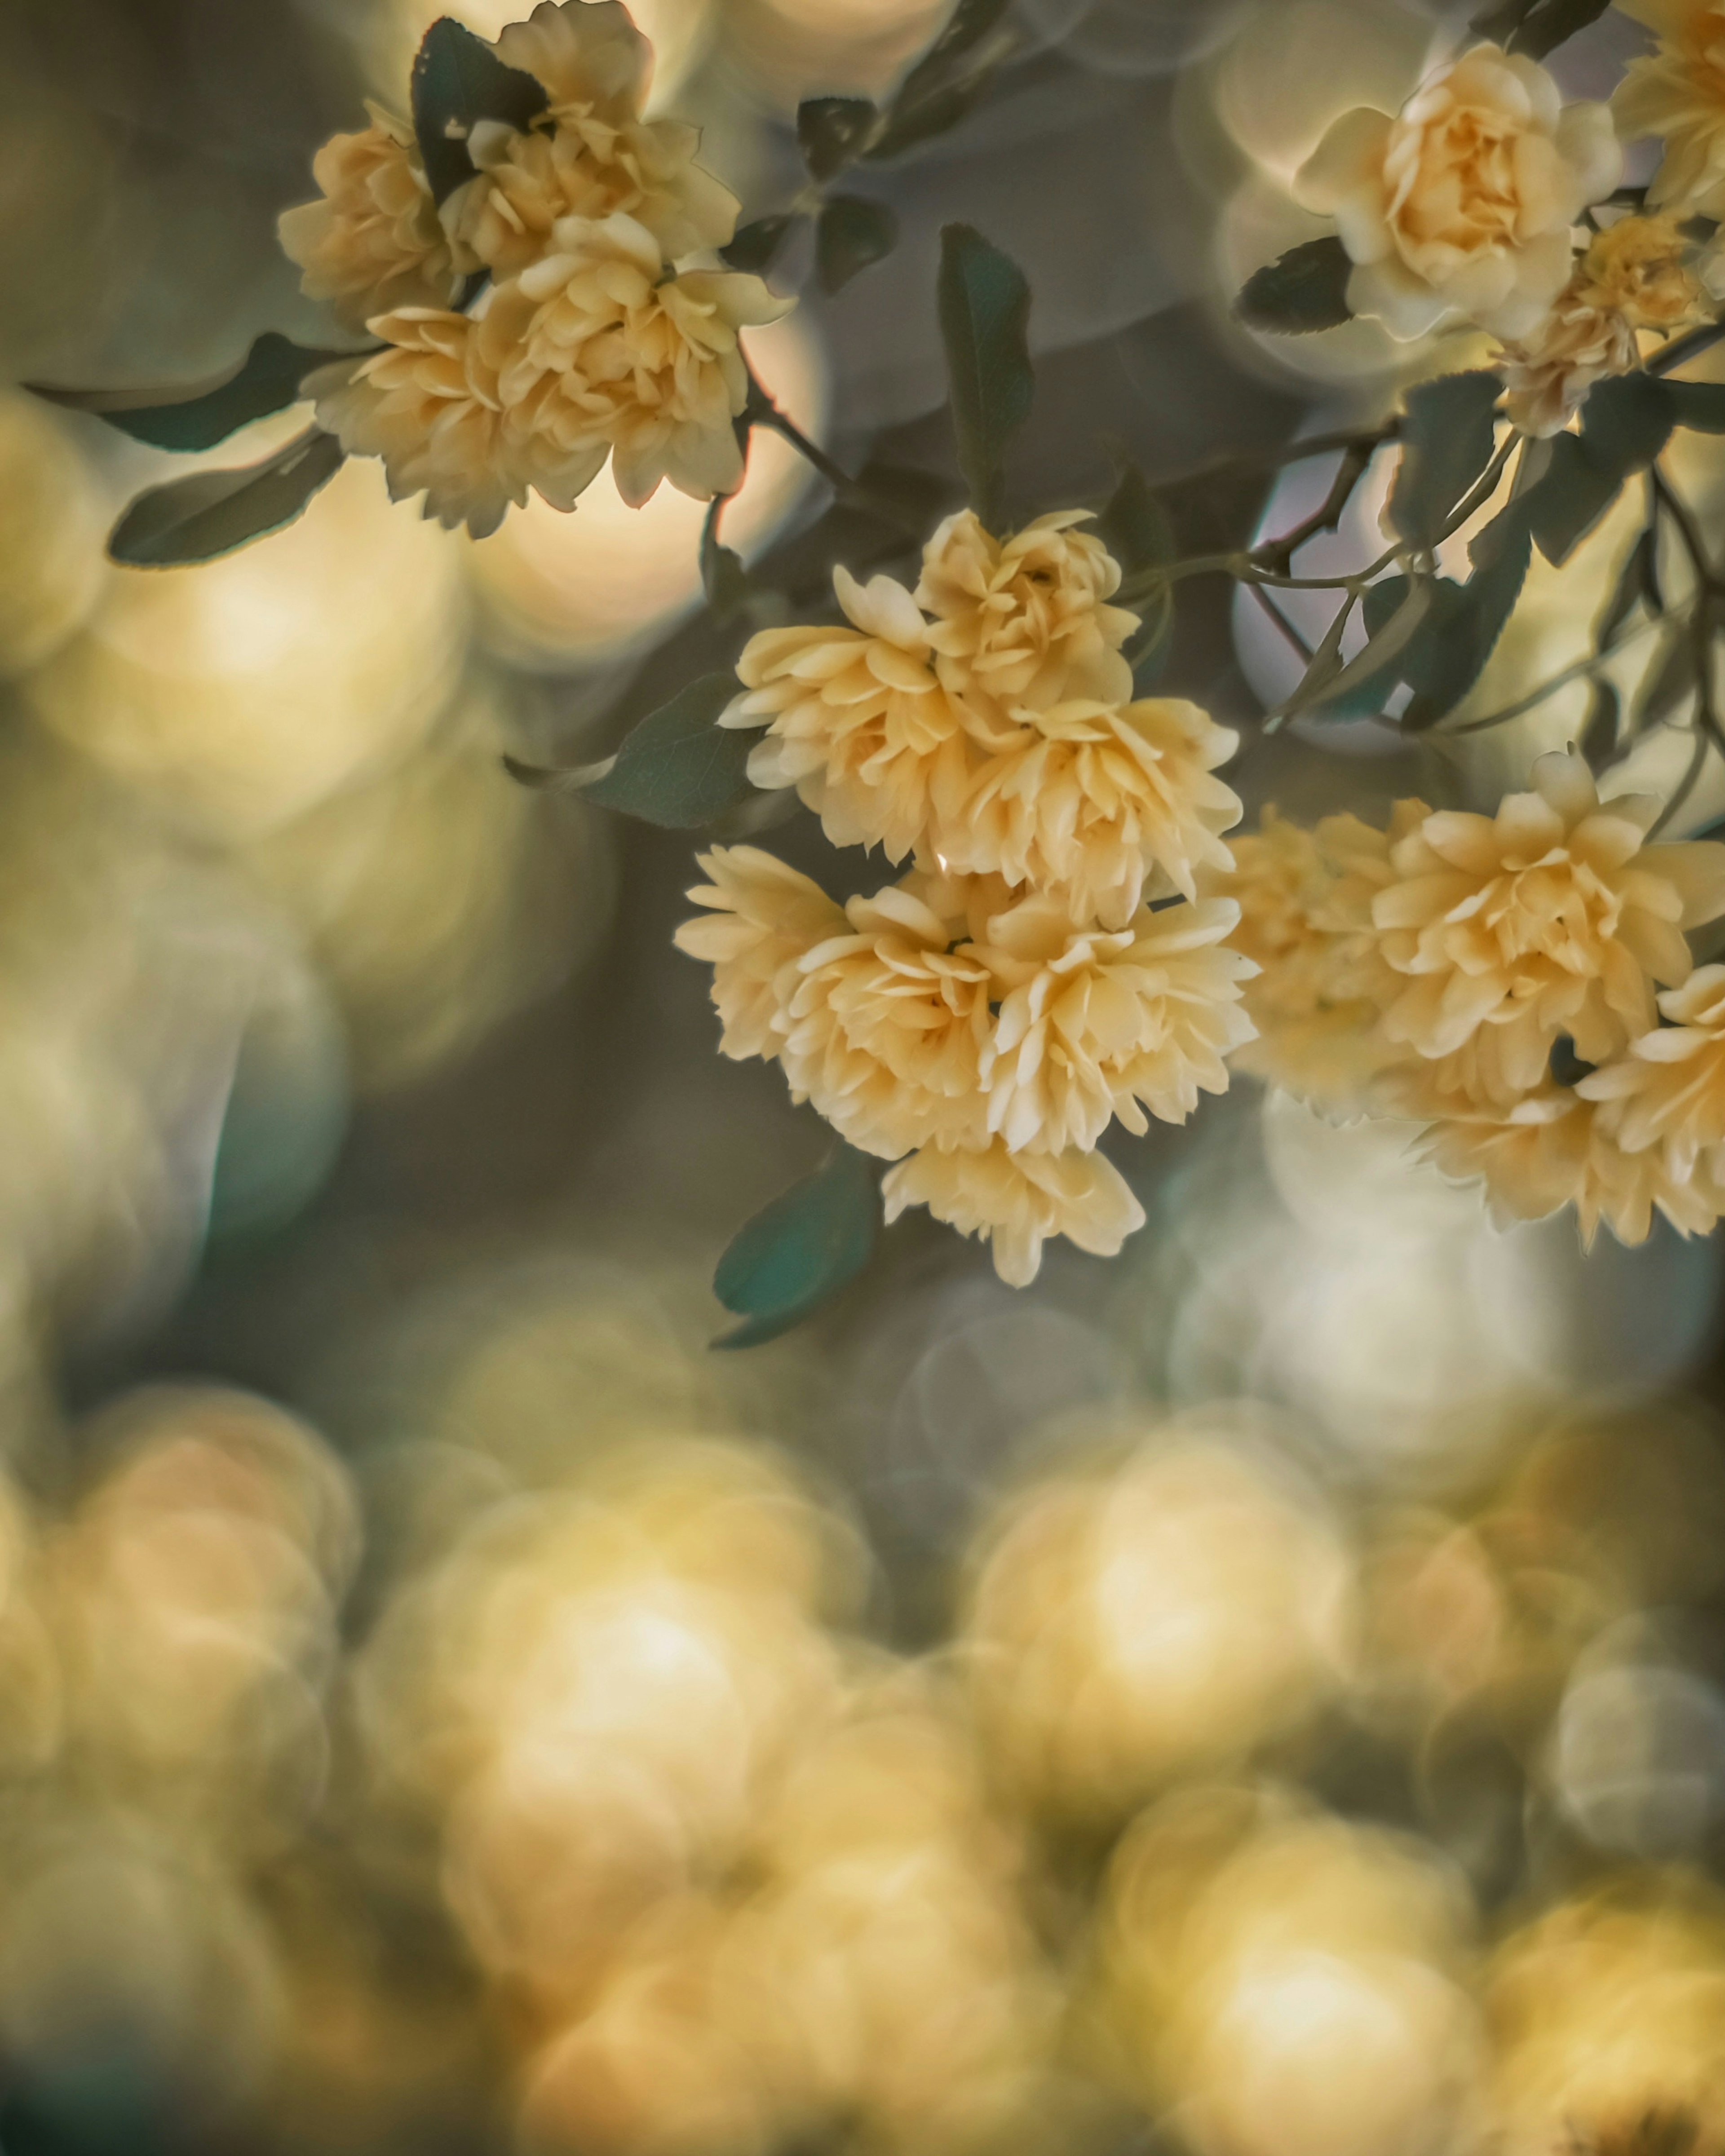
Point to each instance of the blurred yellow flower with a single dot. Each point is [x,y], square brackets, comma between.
[856,719]
[1017,1201]
[1022,624]
[1632,277]
[1548,919]
[1678,93]
[598,353]
[1462,204]
[372,241]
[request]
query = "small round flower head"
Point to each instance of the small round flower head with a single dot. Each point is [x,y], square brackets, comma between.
[372,241]
[855,718]
[1667,1090]
[1022,624]
[765,917]
[1632,278]
[597,352]
[1552,917]
[1678,93]
[1462,205]
[1093,1024]
[1105,804]
[1016,1201]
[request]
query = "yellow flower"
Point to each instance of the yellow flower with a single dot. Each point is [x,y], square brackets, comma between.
[765,917]
[1462,204]
[1016,1201]
[595,354]
[1022,624]
[1546,919]
[1667,1090]
[1678,93]
[856,719]
[592,154]
[373,242]
[1631,278]
[1104,802]
[1092,1025]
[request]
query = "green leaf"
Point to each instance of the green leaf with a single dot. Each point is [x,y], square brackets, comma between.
[1379,658]
[458,81]
[984,313]
[1467,619]
[1303,291]
[1135,527]
[1536,27]
[679,768]
[1699,404]
[1598,738]
[756,246]
[211,513]
[1626,422]
[832,132]
[801,1250]
[1447,441]
[949,78]
[202,414]
[852,236]
[1569,500]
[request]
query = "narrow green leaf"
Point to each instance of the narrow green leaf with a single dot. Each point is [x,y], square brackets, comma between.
[949,78]
[202,414]
[1536,27]
[1469,619]
[1364,697]
[1447,439]
[1134,526]
[1699,404]
[984,315]
[1626,422]
[801,1250]
[756,247]
[852,236]
[832,132]
[1321,669]
[679,768]
[211,513]
[1378,657]
[458,81]
[1569,500]
[1302,291]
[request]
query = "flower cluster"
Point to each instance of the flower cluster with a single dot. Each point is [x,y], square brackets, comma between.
[980,1021]
[1462,207]
[1520,983]
[588,340]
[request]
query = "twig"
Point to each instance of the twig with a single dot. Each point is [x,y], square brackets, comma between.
[1279,553]
[1697,757]
[1282,623]
[1685,348]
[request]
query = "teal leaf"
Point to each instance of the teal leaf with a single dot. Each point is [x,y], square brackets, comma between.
[801,1250]
[202,414]
[1450,655]
[1626,422]
[757,246]
[833,131]
[211,513]
[1570,499]
[1302,291]
[985,316]
[852,236]
[679,768]
[1447,440]
[458,81]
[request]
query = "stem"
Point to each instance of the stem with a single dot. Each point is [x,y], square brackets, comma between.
[1292,634]
[1685,787]
[1279,553]
[1686,347]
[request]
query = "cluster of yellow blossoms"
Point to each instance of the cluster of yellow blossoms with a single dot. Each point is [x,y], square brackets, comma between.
[982,1021]
[1461,208]
[1497,979]
[587,342]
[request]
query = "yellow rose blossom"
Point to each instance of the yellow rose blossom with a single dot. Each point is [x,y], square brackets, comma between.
[1017,1201]
[597,352]
[592,155]
[1105,804]
[1462,205]
[1023,623]
[372,241]
[765,917]
[1667,1090]
[856,719]
[1554,916]
[1678,93]
[1632,278]
[1093,1026]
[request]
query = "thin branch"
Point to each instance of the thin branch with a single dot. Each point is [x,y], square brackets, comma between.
[1698,757]
[1292,634]
[1683,348]
[1279,553]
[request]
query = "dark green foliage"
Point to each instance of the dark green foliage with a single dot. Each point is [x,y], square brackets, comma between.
[458,81]
[984,315]
[679,768]
[853,235]
[199,416]
[211,513]
[1447,439]
[801,1250]
[1302,291]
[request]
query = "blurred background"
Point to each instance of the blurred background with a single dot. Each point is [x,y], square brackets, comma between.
[1265,1695]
